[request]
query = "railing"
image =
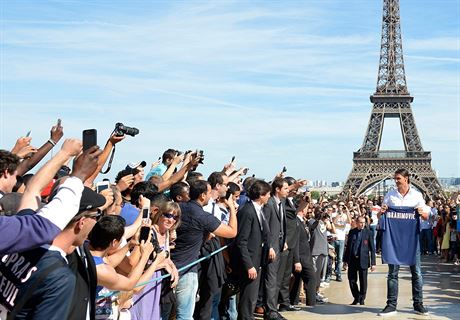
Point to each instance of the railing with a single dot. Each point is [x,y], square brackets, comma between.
[392,154]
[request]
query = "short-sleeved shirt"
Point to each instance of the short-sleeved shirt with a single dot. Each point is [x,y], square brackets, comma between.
[129,213]
[400,235]
[318,242]
[157,171]
[52,297]
[195,225]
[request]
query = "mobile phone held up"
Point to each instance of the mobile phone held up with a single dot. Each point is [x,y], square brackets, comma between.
[102,186]
[89,138]
[144,234]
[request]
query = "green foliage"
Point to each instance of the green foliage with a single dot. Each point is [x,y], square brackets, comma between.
[315,195]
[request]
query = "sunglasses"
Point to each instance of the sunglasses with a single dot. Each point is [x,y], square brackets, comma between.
[97,215]
[170,216]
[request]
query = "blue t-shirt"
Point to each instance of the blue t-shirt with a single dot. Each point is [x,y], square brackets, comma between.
[400,237]
[129,213]
[195,225]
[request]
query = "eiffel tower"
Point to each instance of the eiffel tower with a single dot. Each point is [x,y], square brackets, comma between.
[391,100]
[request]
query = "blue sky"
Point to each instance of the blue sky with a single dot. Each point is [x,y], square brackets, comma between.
[272,82]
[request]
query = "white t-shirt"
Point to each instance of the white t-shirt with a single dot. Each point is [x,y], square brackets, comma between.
[340,224]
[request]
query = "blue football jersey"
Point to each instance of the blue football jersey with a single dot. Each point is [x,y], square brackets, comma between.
[400,237]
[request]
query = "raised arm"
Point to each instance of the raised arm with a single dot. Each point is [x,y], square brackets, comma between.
[56,134]
[113,140]
[230,230]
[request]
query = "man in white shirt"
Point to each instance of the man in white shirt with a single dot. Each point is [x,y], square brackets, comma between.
[340,222]
[405,195]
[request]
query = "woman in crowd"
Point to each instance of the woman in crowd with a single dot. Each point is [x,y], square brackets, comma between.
[147,298]
[446,236]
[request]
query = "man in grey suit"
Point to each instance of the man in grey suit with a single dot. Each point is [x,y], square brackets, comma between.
[275,214]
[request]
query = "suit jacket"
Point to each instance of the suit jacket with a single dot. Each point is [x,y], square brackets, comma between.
[85,288]
[251,242]
[303,251]
[366,247]
[292,224]
[277,238]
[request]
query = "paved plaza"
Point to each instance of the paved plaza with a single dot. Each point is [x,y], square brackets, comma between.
[441,292]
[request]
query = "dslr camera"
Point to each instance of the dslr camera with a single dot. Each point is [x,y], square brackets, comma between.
[121,129]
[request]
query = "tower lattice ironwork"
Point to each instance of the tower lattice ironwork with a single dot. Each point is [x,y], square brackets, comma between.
[391,100]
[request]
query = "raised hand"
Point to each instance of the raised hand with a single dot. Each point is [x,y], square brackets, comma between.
[56,132]
[72,147]
[125,182]
[85,164]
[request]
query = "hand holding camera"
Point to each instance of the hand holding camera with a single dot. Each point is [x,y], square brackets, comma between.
[125,182]
[121,130]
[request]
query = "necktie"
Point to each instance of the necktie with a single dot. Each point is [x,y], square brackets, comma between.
[357,243]
[281,219]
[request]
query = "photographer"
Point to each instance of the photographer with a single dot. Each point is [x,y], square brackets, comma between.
[319,246]
[167,160]
[340,222]
[28,231]
[104,240]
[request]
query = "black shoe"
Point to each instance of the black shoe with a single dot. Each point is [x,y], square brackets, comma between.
[420,309]
[361,302]
[272,315]
[388,311]
[354,303]
[288,308]
[339,279]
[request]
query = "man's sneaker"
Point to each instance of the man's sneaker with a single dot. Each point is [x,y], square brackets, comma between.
[321,299]
[420,309]
[323,285]
[388,311]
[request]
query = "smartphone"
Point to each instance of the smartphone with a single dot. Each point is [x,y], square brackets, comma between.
[89,138]
[284,169]
[228,195]
[233,159]
[28,133]
[145,213]
[245,171]
[144,235]
[59,122]
[102,186]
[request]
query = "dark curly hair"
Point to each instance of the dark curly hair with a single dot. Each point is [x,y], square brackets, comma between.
[8,162]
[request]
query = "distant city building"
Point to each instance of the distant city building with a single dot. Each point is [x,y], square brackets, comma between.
[447,182]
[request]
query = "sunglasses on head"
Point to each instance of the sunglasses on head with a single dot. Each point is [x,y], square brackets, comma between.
[96,215]
[170,216]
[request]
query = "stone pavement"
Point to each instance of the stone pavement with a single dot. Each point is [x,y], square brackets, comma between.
[441,291]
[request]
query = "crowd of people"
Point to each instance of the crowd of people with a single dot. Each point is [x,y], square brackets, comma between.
[165,242]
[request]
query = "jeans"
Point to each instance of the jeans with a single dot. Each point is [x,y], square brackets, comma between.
[417,282]
[339,245]
[426,240]
[231,311]
[215,306]
[186,295]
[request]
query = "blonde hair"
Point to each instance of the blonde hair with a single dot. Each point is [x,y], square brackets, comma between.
[166,207]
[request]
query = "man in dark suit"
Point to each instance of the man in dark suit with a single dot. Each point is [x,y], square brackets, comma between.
[275,214]
[303,260]
[292,240]
[250,247]
[360,242]
[81,262]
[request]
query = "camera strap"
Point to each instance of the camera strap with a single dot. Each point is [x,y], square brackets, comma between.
[109,165]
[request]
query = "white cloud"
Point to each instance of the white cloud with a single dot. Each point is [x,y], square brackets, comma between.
[261,81]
